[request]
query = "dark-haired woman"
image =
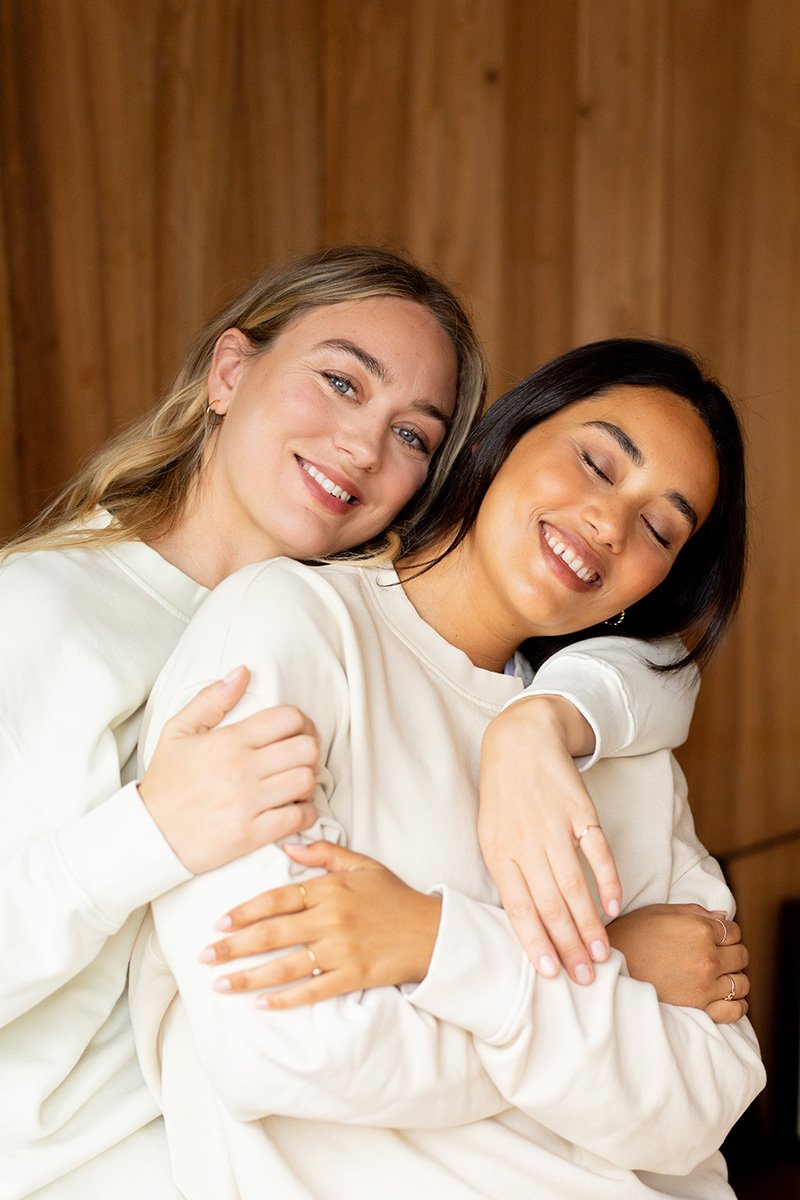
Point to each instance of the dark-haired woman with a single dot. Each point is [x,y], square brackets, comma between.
[625,455]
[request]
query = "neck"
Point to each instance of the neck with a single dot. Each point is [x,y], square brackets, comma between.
[450,598]
[205,548]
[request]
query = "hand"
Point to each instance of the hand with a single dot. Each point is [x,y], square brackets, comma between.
[366,929]
[534,807]
[216,794]
[679,948]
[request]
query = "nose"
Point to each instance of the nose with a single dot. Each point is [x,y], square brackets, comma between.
[361,441]
[608,519]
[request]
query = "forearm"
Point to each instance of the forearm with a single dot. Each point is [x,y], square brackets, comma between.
[630,708]
[67,891]
[644,1085]
[365,1058]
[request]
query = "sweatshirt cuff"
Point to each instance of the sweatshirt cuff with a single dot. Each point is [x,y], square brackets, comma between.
[599,694]
[119,857]
[478,978]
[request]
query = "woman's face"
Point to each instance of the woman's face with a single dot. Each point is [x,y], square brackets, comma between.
[328,433]
[591,508]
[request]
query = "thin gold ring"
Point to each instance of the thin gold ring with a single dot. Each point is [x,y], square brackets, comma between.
[303,895]
[732,993]
[724,925]
[588,829]
[316,969]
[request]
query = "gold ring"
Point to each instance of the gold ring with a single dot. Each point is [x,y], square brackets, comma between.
[303,895]
[316,969]
[732,993]
[724,925]
[587,830]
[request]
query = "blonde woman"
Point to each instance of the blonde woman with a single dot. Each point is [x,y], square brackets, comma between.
[328,399]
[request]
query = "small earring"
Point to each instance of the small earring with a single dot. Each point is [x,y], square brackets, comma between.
[212,417]
[615,621]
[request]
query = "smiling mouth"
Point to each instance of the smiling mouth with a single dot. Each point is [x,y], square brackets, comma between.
[570,556]
[328,485]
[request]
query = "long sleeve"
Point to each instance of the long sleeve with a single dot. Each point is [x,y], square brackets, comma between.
[369,1057]
[80,852]
[631,708]
[644,1085]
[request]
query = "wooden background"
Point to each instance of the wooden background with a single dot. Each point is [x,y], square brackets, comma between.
[578,168]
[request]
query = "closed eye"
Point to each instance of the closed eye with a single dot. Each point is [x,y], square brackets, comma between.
[662,541]
[589,462]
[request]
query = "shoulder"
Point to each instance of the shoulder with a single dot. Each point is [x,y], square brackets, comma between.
[283,591]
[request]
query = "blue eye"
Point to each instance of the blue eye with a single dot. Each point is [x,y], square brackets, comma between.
[411,438]
[340,383]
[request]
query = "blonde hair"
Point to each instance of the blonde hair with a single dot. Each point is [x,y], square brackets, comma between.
[144,476]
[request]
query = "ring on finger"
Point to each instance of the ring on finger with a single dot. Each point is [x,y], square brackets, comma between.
[732,993]
[588,829]
[316,969]
[303,895]
[724,925]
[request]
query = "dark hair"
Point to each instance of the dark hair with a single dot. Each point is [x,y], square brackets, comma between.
[700,595]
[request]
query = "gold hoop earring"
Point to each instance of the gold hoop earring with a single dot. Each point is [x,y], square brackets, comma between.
[615,621]
[212,417]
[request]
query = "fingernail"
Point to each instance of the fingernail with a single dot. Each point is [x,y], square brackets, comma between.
[223,985]
[583,973]
[223,923]
[599,951]
[612,908]
[229,678]
[207,955]
[548,966]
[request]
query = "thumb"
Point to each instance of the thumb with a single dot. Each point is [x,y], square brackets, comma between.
[328,855]
[211,704]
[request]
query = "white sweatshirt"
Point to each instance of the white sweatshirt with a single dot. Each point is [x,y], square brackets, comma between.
[85,632]
[485,1080]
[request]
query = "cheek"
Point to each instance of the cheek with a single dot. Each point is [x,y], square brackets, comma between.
[400,481]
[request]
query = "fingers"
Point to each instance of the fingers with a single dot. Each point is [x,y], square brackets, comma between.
[276,823]
[733,1004]
[211,704]
[274,725]
[597,853]
[553,915]
[329,855]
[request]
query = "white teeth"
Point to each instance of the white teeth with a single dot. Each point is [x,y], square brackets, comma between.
[330,487]
[573,561]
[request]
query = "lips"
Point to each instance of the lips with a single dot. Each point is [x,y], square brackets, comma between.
[572,555]
[340,488]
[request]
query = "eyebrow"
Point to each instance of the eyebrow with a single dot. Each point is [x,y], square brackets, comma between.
[381,372]
[632,451]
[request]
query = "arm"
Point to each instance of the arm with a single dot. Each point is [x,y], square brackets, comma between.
[667,1084]
[366,1057]
[598,698]
[81,853]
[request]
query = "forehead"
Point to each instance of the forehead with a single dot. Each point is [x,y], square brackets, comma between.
[389,319]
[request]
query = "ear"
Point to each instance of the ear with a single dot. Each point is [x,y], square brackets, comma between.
[230,354]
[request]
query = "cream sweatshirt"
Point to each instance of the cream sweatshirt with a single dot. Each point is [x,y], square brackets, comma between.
[85,633]
[485,1080]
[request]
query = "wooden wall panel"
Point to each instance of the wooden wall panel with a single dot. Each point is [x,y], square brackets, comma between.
[414,137]
[149,175]
[622,171]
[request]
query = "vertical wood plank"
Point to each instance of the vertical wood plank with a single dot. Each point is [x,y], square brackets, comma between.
[623,164]
[414,137]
